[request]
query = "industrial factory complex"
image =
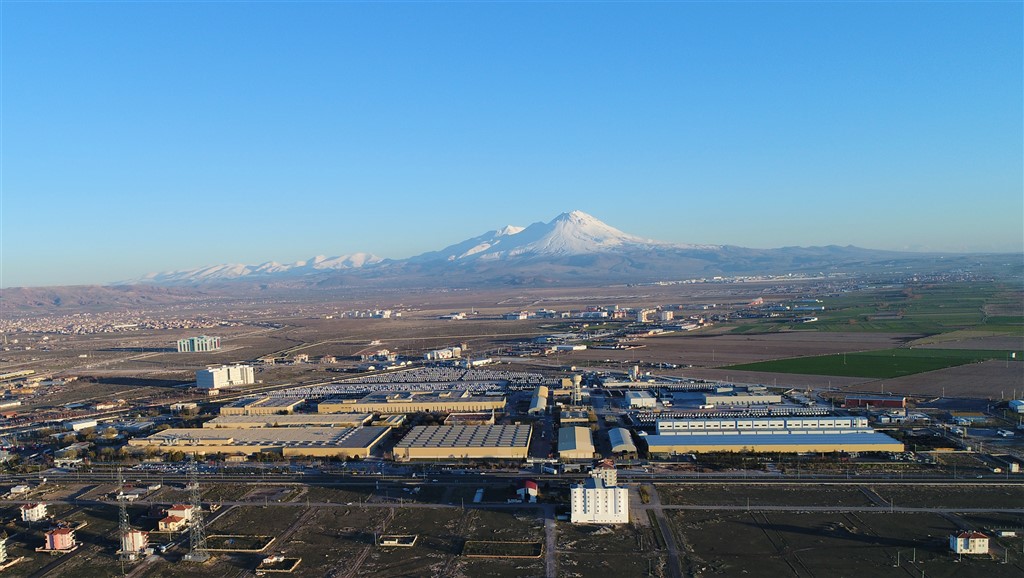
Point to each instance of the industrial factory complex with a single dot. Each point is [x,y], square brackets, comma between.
[486,419]
[461,434]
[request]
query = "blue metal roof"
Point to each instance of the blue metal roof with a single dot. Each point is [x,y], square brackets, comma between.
[769,439]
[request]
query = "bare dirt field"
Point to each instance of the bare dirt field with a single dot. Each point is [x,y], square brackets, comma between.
[988,379]
[838,545]
[966,340]
[585,551]
[738,495]
[946,497]
[918,496]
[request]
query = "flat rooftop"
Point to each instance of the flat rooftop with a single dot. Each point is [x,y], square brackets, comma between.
[290,420]
[266,401]
[282,402]
[574,414]
[573,439]
[466,436]
[755,439]
[343,437]
[458,395]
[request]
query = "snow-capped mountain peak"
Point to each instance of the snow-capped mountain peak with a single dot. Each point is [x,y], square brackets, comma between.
[577,233]
[572,233]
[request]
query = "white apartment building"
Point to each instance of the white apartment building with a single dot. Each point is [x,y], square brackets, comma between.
[33,512]
[134,541]
[598,500]
[225,376]
[969,543]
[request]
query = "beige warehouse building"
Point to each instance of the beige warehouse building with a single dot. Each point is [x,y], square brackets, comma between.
[266,405]
[390,402]
[465,442]
[575,443]
[290,420]
[286,441]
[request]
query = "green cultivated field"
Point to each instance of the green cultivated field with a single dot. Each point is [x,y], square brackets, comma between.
[928,310]
[885,363]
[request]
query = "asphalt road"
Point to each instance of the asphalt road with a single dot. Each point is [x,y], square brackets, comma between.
[447,478]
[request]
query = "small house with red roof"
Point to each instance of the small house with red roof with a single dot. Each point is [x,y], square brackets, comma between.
[969,542]
[529,491]
[172,524]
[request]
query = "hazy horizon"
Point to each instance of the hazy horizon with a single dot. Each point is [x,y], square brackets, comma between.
[148,137]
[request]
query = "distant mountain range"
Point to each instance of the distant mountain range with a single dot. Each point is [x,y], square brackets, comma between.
[316,264]
[573,247]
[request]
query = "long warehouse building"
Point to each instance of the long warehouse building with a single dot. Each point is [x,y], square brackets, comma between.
[460,401]
[265,405]
[465,442]
[811,434]
[286,441]
[290,420]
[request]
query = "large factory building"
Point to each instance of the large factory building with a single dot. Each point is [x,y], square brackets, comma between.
[464,442]
[387,402]
[286,441]
[813,434]
[290,420]
[266,405]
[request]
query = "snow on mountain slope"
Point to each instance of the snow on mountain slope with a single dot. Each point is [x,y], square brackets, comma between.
[470,247]
[575,233]
[237,271]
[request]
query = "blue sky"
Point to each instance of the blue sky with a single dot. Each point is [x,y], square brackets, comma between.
[142,137]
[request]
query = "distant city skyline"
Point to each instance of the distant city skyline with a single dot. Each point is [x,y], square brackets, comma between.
[145,137]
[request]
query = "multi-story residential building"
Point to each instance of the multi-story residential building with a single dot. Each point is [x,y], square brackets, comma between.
[198,344]
[599,500]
